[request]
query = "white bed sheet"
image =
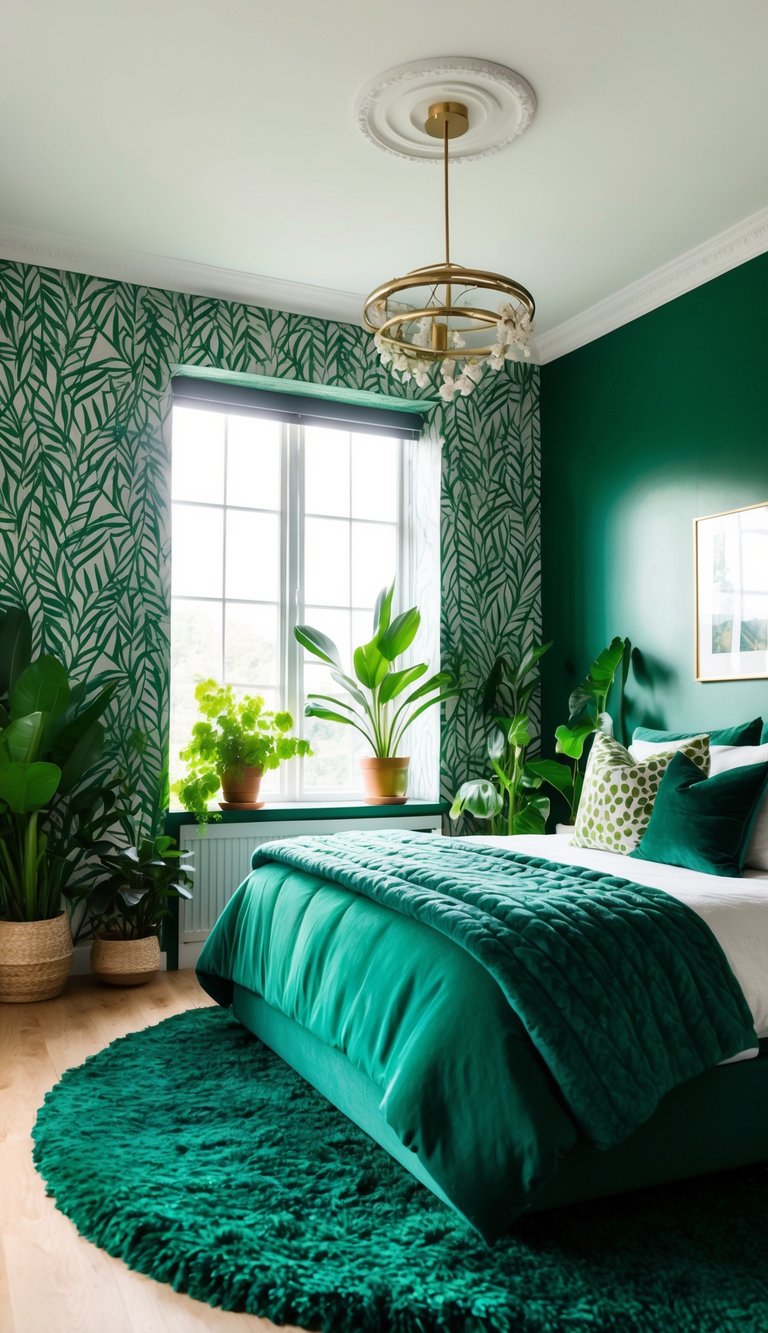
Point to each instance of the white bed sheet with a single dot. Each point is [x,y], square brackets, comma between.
[736,910]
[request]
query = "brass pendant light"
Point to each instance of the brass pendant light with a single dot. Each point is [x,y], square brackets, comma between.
[439,315]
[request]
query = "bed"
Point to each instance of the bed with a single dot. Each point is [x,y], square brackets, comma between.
[519,1022]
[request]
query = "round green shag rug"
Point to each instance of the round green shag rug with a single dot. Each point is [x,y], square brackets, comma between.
[198,1157]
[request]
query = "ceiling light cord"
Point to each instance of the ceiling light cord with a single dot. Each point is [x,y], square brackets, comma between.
[447,211]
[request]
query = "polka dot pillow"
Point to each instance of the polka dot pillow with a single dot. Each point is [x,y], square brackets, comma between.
[619,792]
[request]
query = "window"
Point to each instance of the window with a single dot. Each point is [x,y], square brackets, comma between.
[277,522]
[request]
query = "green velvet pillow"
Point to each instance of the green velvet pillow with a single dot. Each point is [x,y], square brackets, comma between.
[764,737]
[748,733]
[703,823]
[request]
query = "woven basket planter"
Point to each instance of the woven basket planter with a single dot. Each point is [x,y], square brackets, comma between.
[125,962]
[35,958]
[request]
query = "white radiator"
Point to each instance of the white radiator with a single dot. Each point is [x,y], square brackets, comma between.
[223,860]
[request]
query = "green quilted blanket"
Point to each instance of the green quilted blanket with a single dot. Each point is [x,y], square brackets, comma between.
[623,990]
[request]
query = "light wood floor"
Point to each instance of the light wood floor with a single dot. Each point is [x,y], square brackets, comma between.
[52,1281]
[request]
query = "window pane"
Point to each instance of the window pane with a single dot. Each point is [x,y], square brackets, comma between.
[330,768]
[326,562]
[251,649]
[333,623]
[253,556]
[198,455]
[196,641]
[326,471]
[374,561]
[375,477]
[197,560]
[183,715]
[253,462]
[318,680]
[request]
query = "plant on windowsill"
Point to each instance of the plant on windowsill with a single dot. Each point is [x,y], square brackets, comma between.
[378,711]
[587,714]
[510,802]
[53,809]
[231,747]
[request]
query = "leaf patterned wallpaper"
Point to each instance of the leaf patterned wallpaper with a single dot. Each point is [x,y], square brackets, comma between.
[85,372]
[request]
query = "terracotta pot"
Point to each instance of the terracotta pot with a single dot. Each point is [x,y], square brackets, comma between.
[240,786]
[125,962]
[35,957]
[385,781]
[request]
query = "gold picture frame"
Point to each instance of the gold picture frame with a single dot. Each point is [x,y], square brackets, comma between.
[730,561]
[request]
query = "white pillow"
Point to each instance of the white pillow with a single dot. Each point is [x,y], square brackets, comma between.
[723,757]
[642,750]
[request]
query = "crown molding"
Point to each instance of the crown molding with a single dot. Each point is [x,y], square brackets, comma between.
[50,250]
[737,245]
[730,248]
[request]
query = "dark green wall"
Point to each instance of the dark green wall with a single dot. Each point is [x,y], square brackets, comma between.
[662,421]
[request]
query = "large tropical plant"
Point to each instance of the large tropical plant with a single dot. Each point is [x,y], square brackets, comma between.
[587,714]
[53,806]
[383,705]
[510,802]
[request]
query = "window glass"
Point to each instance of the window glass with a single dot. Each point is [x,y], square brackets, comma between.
[273,523]
[253,462]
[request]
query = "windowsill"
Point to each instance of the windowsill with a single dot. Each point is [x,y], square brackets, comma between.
[274,811]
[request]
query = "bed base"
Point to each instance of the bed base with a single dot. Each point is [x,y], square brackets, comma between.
[716,1122]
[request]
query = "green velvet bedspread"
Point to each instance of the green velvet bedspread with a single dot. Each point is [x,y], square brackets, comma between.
[592,999]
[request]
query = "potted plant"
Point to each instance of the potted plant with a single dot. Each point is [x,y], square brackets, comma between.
[378,710]
[52,809]
[236,741]
[587,714]
[511,801]
[126,909]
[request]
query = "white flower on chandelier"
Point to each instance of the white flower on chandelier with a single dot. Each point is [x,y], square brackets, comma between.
[514,326]
[423,336]
[514,330]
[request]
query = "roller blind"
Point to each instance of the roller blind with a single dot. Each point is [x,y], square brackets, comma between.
[300,409]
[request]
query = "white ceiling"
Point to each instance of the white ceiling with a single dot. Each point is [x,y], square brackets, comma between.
[223,133]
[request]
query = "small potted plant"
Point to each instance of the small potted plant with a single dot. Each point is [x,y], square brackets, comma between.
[52,808]
[236,741]
[378,711]
[126,910]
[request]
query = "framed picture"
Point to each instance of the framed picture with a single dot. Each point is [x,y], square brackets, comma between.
[731,564]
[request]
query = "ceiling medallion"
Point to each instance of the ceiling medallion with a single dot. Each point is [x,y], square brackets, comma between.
[440,316]
[392,108]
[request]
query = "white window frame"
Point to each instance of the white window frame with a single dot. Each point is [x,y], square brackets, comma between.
[291,655]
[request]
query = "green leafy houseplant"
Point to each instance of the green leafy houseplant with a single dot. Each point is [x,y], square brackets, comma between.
[383,705]
[587,714]
[235,742]
[144,879]
[52,806]
[511,802]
